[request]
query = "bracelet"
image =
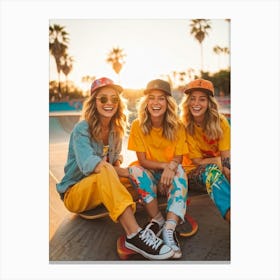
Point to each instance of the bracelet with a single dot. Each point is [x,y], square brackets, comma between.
[174,167]
[170,168]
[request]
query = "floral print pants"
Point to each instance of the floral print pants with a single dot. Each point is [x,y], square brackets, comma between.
[146,182]
[217,186]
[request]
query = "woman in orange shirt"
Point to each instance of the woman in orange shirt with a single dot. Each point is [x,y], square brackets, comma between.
[208,138]
[158,138]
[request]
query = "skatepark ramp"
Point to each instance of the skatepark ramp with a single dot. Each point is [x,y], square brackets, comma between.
[61,125]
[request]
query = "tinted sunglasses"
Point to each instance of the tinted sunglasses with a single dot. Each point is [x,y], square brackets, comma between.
[104,99]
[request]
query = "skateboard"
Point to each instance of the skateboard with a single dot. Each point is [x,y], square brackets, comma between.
[96,213]
[100,211]
[123,252]
[194,226]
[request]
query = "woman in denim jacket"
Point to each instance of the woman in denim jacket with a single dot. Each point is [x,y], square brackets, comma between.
[93,168]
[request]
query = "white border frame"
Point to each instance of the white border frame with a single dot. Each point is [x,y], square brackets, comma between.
[24,137]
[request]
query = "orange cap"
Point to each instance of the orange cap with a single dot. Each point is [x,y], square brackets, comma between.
[200,84]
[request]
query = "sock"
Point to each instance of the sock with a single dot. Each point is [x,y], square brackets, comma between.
[159,219]
[133,234]
[170,224]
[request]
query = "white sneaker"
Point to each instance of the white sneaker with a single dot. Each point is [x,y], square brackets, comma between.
[170,239]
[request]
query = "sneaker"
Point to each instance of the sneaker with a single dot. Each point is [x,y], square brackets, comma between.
[149,245]
[155,227]
[170,239]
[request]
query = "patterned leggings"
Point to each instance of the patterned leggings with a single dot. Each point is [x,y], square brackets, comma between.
[217,186]
[146,182]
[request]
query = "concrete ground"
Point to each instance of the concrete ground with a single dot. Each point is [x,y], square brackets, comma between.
[74,239]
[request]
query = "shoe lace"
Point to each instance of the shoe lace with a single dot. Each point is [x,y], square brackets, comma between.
[170,237]
[149,238]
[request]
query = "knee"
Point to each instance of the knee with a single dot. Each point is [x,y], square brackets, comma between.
[213,171]
[135,169]
[212,166]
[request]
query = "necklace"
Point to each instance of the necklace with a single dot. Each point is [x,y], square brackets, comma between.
[105,135]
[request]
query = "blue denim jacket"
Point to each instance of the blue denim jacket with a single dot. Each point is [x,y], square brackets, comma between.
[84,155]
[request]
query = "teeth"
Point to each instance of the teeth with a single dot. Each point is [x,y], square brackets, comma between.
[156,108]
[196,108]
[108,108]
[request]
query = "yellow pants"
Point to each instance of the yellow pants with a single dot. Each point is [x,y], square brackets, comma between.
[102,188]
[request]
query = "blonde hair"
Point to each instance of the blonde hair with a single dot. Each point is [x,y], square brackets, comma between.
[171,121]
[211,124]
[91,115]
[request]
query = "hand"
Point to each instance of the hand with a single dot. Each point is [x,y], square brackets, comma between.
[167,177]
[99,166]
[163,190]
[122,172]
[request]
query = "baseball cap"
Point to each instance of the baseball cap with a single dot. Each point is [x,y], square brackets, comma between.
[158,84]
[200,84]
[104,82]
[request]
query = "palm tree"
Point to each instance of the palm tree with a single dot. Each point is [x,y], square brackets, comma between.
[219,50]
[199,29]
[182,77]
[58,44]
[88,79]
[226,52]
[66,66]
[116,59]
[190,73]
[86,82]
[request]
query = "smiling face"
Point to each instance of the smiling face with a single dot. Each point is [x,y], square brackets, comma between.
[107,102]
[198,104]
[156,103]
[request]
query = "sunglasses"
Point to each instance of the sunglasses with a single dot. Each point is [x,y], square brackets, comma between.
[105,99]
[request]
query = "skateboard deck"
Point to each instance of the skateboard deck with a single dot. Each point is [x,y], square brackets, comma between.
[194,226]
[96,213]
[100,212]
[123,252]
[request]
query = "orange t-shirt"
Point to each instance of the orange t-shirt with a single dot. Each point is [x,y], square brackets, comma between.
[155,146]
[202,147]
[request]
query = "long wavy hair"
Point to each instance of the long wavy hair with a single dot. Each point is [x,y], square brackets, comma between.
[211,124]
[171,120]
[91,115]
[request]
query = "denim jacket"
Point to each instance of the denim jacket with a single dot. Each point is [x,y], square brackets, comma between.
[84,155]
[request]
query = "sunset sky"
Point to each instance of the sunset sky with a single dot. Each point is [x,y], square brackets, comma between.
[153,47]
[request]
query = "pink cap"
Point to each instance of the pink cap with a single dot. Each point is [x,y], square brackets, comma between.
[104,82]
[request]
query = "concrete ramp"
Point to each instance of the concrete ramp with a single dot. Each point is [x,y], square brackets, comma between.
[61,125]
